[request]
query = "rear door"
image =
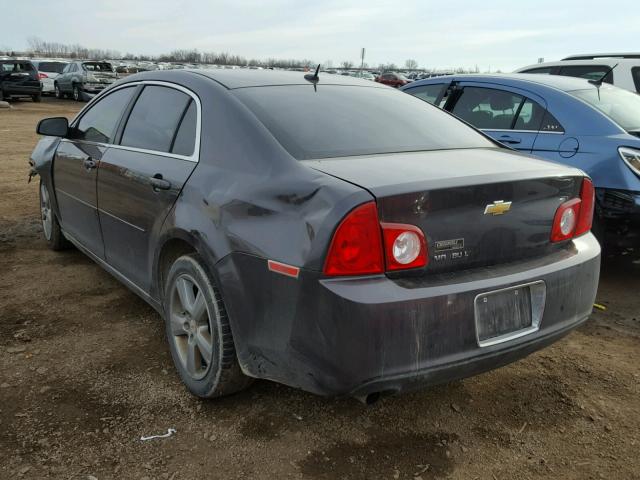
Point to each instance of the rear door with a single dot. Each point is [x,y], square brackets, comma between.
[140,179]
[75,168]
[508,115]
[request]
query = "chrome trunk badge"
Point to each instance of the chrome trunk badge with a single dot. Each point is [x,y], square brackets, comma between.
[499,207]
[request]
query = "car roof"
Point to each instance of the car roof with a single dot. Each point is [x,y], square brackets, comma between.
[566,84]
[609,61]
[242,78]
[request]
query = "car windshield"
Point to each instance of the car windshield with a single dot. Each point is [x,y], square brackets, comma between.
[97,67]
[335,121]
[622,106]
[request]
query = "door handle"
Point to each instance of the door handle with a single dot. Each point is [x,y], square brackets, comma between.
[159,183]
[510,139]
[89,164]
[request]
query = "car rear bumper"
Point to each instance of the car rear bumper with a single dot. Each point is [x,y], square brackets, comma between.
[620,212]
[359,336]
[28,89]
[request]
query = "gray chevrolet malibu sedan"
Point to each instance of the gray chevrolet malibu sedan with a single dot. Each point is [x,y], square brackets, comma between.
[327,233]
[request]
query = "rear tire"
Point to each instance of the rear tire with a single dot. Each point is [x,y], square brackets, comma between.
[198,331]
[50,225]
[77,94]
[37,98]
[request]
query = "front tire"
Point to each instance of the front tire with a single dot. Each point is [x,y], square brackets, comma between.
[37,98]
[58,92]
[50,225]
[198,331]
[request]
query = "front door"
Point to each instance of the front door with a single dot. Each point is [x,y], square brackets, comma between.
[140,179]
[75,168]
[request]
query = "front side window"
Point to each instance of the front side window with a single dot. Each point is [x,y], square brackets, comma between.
[99,123]
[487,108]
[341,121]
[622,106]
[428,93]
[154,119]
[590,72]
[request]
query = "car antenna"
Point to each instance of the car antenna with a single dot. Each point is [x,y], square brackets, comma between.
[598,83]
[313,78]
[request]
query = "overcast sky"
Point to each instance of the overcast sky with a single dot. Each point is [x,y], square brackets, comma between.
[496,34]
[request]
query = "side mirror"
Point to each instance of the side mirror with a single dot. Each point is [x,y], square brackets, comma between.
[53,127]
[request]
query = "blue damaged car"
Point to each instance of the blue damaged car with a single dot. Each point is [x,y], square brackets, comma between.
[586,124]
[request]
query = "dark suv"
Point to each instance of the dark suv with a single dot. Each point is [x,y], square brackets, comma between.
[84,79]
[19,78]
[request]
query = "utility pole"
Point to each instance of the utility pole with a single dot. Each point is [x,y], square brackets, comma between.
[362,59]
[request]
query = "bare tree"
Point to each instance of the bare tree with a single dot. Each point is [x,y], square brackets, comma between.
[346,65]
[410,64]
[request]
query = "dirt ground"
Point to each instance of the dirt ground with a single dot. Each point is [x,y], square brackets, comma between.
[85,372]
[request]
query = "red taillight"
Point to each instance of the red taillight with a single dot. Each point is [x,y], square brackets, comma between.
[356,248]
[404,246]
[42,75]
[362,245]
[565,220]
[574,217]
[587,196]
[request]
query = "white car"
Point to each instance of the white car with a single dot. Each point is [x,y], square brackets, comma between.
[47,71]
[626,73]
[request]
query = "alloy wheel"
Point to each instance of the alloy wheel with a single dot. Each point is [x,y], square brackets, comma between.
[190,324]
[45,211]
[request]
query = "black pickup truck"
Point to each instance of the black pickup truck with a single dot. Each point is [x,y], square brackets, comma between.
[19,78]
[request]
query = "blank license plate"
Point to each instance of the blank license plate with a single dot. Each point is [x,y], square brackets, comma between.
[509,313]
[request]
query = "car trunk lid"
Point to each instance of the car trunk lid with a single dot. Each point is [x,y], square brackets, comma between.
[477,207]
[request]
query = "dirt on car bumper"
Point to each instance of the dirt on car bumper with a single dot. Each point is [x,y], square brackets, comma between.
[359,336]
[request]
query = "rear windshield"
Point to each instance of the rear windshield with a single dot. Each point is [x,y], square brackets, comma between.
[337,121]
[622,106]
[53,67]
[17,67]
[97,67]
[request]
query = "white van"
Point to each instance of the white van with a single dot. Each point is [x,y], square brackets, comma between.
[626,73]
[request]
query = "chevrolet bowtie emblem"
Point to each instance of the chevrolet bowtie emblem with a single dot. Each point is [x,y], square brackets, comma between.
[497,208]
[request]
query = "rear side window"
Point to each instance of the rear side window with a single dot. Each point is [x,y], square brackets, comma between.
[338,120]
[530,116]
[185,139]
[635,71]
[18,67]
[487,108]
[428,93]
[155,118]
[550,124]
[590,72]
[97,67]
[543,70]
[99,123]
